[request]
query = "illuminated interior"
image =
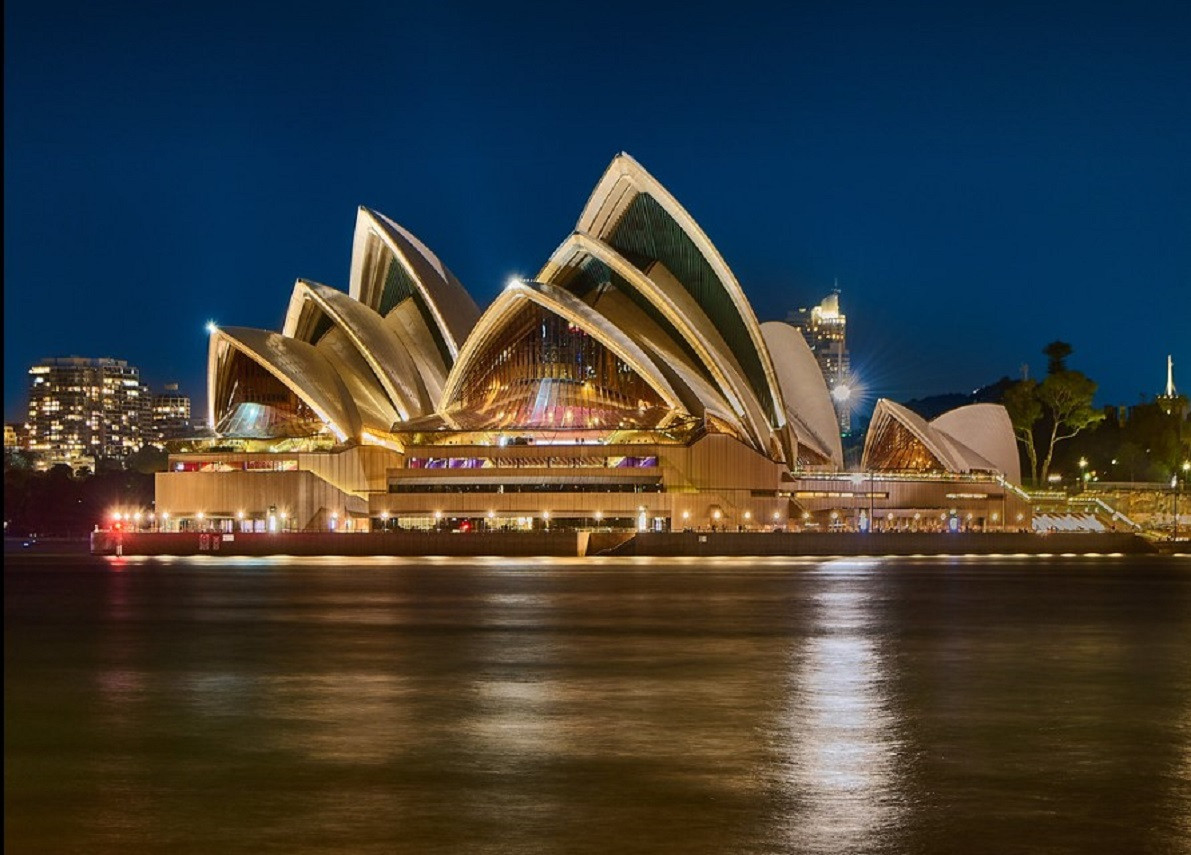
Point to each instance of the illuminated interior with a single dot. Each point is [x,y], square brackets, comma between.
[545,372]
[893,447]
[258,405]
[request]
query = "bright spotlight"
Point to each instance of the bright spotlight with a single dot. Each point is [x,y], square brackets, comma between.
[841,393]
[512,281]
[211,328]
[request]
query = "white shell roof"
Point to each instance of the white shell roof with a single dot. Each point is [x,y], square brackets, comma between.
[804,391]
[452,310]
[297,365]
[622,181]
[955,437]
[379,345]
[987,430]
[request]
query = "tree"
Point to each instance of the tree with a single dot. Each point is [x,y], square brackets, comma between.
[1021,400]
[1066,398]
[147,460]
[1056,356]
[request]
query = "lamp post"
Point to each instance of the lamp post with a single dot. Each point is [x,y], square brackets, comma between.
[871,508]
[1174,482]
[1083,473]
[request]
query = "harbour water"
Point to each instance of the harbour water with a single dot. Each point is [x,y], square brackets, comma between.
[378,705]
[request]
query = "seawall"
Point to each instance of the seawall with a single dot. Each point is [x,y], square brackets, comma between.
[902,543]
[570,543]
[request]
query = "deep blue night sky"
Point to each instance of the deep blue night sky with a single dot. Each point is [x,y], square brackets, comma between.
[981,181]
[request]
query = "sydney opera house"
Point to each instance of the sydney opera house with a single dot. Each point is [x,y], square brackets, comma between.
[628,385]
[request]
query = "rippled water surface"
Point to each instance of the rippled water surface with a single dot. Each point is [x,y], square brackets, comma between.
[650,705]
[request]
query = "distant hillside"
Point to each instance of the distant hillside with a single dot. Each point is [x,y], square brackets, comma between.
[933,406]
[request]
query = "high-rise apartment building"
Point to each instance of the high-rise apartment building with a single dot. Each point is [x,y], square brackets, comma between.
[171,413]
[825,329]
[83,409]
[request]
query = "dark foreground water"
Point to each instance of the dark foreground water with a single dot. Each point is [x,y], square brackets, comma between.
[652,705]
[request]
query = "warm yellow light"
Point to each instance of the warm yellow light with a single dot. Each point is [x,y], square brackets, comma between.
[716,515]
[239,515]
[748,515]
[199,515]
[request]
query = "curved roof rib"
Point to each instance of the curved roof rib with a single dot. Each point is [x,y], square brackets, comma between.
[987,430]
[296,364]
[379,346]
[630,210]
[680,316]
[377,413]
[390,265]
[887,411]
[586,275]
[804,391]
[570,308]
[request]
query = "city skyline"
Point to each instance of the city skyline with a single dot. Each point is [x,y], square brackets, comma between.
[1012,178]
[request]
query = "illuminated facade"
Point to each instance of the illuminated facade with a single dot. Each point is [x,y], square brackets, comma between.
[170,415]
[628,384]
[825,329]
[81,410]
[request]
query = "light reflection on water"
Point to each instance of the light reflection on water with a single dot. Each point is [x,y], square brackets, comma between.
[647,705]
[842,737]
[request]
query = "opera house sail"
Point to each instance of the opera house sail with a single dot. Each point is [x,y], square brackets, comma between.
[628,384]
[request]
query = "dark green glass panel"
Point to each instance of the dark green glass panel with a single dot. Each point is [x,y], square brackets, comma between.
[645,234]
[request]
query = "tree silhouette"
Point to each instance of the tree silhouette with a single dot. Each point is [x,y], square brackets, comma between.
[1021,400]
[1056,356]
[1066,397]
